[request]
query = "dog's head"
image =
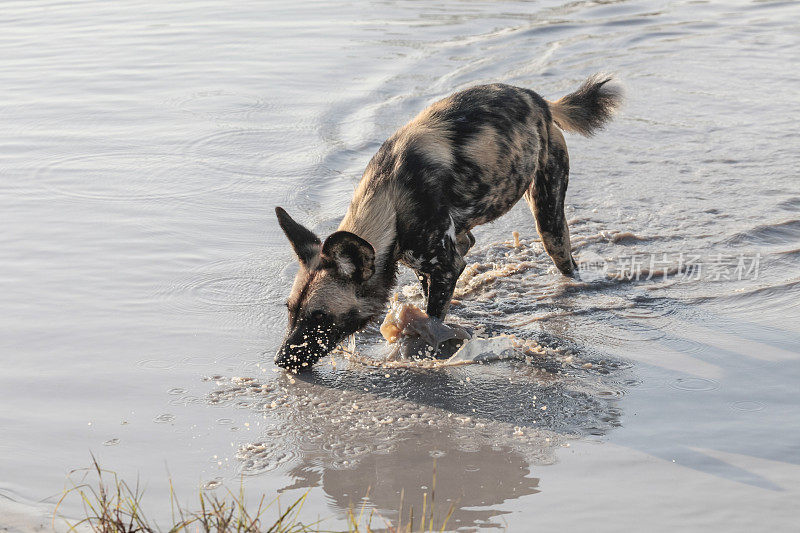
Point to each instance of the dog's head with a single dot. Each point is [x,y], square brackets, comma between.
[330,298]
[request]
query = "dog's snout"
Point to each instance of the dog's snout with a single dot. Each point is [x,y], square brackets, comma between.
[295,358]
[284,358]
[303,347]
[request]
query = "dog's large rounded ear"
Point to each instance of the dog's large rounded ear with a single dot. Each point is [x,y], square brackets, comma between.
[352,257]
[306,245]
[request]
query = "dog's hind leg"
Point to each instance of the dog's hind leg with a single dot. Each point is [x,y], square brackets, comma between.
[546,196]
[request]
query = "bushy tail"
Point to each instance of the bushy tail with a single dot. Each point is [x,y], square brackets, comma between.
[590,107]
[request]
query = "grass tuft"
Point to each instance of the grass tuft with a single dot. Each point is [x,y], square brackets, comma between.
[111,505]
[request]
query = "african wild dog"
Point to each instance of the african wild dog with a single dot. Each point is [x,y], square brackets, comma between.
[462,162]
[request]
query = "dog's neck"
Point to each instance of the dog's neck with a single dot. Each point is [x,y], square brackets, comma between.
[372,216]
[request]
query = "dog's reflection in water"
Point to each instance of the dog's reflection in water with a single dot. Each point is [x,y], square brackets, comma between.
[374,432]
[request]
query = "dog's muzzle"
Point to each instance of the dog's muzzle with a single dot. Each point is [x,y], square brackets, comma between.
[304,346]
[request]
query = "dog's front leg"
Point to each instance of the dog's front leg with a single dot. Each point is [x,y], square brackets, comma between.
[441,285]
[424,282]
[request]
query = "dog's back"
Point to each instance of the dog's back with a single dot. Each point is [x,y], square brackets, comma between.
[474,154]
[488,145]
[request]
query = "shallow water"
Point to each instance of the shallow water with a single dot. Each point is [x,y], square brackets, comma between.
[143,272]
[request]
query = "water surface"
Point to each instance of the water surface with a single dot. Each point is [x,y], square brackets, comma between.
[143,273]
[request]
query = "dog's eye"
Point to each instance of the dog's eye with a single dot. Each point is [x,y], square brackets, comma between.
[318,314]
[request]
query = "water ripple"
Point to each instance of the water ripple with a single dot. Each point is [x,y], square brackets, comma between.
[128,176]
